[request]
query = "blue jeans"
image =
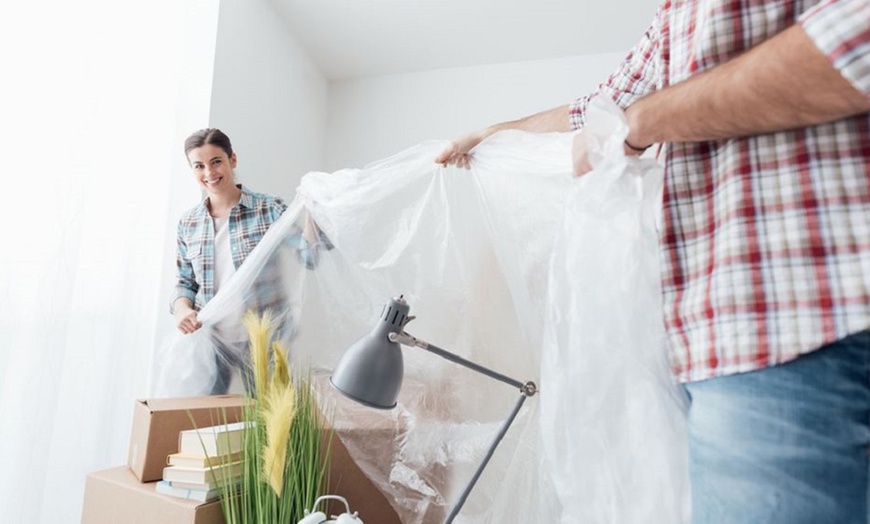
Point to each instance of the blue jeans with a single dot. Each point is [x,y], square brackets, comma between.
[784,445]
[227,359]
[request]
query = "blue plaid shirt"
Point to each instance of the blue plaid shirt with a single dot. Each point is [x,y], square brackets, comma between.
[248,222]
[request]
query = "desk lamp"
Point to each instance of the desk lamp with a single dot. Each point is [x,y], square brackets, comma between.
[371,373]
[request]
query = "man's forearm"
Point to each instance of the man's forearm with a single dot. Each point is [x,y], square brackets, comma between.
[781,84]
[552,120]
[459,151]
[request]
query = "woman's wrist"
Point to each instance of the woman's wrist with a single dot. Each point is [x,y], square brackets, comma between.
[182,304]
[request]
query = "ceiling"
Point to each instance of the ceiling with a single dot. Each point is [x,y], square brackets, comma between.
[358,38]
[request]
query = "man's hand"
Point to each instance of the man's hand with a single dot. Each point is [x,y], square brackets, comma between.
[458,153]
[580,154]
[186,317]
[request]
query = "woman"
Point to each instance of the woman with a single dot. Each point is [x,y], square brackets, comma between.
[216,236]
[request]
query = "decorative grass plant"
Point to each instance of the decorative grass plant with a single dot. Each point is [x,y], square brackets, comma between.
[286,449]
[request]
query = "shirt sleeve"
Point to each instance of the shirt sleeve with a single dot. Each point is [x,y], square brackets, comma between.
[278,208]
[186,285]
[638,75]
[841,30]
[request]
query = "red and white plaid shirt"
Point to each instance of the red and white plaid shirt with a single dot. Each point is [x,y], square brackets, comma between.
[765,248]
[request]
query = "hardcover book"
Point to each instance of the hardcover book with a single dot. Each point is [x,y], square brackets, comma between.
[200,461]
[213,440]
[217,475]
[203,486]
[202,495]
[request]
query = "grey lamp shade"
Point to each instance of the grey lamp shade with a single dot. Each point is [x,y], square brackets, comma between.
[371,371]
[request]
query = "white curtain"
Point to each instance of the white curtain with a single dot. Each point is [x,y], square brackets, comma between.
[90,92]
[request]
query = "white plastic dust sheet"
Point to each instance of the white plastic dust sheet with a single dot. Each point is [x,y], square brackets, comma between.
[514,265]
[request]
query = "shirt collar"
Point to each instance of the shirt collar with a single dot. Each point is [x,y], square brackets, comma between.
[247,200]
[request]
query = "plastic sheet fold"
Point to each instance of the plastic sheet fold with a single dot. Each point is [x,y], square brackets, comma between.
[604,358]
[513,264]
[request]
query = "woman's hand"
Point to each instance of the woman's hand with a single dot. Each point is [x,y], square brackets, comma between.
[186,317]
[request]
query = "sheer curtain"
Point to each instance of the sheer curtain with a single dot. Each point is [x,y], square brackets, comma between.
[91,93]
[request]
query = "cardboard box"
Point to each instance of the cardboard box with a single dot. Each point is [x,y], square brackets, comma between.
[157,422]
[371,435]
[115,496]
[347,480]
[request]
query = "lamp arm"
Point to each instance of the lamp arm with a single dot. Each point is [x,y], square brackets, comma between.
[496,441]
[527,389]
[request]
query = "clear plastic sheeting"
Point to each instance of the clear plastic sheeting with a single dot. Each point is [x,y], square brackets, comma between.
[471,252]
[623,458]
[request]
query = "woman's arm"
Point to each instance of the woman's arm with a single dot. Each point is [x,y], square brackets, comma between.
[186,288]
[185,316]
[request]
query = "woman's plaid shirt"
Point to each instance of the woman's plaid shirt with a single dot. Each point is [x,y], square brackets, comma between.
[248,222]
[765,247]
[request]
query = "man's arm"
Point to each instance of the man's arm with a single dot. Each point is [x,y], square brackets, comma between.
[459,150]
[784,83]
[637,75]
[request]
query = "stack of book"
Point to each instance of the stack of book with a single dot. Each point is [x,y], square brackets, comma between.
[208,461]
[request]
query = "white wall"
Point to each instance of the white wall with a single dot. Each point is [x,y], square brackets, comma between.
[372,118]
[192,107]
[269,97]
[87,141]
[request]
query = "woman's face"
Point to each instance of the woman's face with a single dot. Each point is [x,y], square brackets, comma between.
[213,169]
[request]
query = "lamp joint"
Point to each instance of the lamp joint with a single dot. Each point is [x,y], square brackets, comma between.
[529,389]
[406,340]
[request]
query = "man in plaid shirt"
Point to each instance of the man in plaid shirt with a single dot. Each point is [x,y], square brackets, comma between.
[761,110]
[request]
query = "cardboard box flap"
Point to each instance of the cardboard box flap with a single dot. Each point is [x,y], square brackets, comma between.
[158,422]
[185,403]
